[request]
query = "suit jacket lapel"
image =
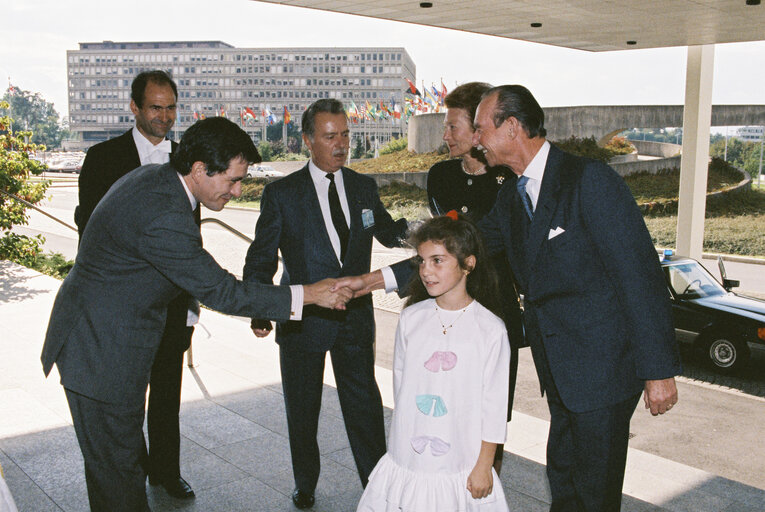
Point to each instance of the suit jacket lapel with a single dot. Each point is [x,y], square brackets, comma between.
[546,204]
[314,219]
[352,193]
[131,151]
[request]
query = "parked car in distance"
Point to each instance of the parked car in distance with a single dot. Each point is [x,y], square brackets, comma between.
[262,171]
[723,325]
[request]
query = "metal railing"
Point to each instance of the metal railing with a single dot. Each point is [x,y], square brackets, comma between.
[239,234]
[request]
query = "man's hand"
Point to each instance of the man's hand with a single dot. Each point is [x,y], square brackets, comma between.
[660,395]
[261,328]
[363,284]
[326,294]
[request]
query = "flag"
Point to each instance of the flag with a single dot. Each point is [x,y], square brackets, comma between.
[444,92]
[270,117]
[11,89]
[287,116]
[431,100]
[249,113]
[241,117]
[412,88]
[222,112]
[196,115]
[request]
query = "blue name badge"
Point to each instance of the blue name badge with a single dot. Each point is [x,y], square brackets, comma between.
[367,218]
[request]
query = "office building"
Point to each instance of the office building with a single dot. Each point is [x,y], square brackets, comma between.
[215,78]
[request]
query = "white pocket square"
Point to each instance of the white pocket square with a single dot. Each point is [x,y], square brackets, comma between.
[555,232]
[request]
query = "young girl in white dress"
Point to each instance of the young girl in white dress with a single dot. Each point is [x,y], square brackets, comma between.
[450,382]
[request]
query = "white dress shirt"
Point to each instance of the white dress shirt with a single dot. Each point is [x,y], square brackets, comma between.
[150,153]
[535,171]
[321,183]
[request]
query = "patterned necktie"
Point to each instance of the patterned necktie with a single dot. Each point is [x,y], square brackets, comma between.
[338,217]
[525,199]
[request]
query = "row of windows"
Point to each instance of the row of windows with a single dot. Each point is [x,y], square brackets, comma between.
[231,70]
[218,57]
[215,95]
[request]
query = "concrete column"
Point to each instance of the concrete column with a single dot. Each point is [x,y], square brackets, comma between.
[697,118]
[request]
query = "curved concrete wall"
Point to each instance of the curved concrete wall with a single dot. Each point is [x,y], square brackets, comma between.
[426,132]
[602,122]
[662,149]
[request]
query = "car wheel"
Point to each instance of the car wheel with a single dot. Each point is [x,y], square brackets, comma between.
[727,354]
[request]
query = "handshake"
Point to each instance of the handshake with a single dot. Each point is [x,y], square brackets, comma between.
[330,293]
[335,293]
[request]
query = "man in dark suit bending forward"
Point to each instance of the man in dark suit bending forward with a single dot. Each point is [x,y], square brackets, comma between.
[142,248]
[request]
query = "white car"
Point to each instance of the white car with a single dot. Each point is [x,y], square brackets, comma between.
[262,171]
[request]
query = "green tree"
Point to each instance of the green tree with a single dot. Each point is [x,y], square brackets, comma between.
[32,112]
[15,170]
[358,149]
[274,132]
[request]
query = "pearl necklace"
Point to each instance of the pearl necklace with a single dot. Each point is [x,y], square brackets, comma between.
[445,327]
[464,169]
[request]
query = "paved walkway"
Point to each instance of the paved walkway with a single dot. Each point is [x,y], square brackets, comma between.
[234,436]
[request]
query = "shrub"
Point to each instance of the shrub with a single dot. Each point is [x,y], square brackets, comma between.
[394,145]
[620,146]
[252,189]
[586,147]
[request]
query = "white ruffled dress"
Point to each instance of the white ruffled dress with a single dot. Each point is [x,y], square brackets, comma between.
[450,394]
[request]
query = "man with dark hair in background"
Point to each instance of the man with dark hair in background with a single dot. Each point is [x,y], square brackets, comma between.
[153,103]
[323,218]
[141,248]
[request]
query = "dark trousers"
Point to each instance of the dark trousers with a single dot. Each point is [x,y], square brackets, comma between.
[111,442]
[586,455]
[360,401]
[165,402]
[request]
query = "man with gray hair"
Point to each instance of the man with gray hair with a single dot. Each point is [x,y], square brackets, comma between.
[322,218]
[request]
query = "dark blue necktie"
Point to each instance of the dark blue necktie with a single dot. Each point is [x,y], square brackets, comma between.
[338,218]
[525,199]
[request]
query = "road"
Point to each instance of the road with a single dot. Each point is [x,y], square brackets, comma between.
[717,425]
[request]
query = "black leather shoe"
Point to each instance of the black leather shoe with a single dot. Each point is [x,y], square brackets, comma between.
[175,487]
[302,499]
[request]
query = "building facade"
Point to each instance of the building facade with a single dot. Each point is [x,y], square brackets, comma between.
[215,78]
[750,133]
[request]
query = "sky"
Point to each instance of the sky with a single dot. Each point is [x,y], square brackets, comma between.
[37,34]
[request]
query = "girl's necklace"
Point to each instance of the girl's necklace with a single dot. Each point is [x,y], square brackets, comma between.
[445,327]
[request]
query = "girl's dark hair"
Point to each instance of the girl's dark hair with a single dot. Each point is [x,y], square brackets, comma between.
[461,239]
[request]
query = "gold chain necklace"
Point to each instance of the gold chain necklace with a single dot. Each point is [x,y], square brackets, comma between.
[446,328]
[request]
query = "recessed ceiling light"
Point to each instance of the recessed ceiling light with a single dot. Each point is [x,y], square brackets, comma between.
[426,5]
[536,25]
[631,43]
[752,2]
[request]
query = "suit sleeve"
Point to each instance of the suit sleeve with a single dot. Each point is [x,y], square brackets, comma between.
[93,185]
[262,256]
[172,244]
[388,232]
[620,238]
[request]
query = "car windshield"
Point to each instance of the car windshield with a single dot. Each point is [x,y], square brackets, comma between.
[690,280]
